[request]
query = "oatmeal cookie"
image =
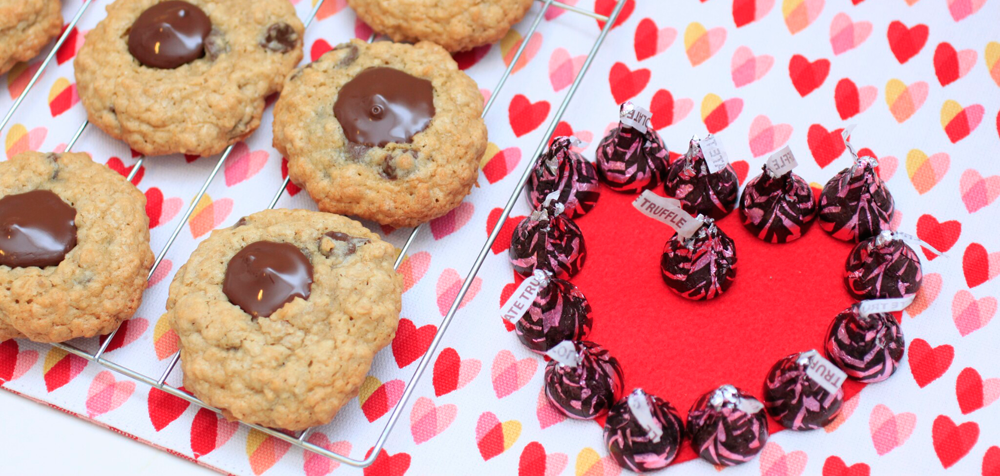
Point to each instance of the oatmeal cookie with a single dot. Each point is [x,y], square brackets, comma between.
[457,25]
[74,247]
[173,76]
[26,26]
[279,317]
[388,132]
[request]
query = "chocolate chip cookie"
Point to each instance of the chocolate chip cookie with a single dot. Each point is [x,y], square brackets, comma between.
[74,247]
[189,77]
[279,316]
[388,132]
[26,26]
[457,25]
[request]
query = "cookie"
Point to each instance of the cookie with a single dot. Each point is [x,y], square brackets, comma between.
[173,76]
[456,25]
[388,132]
[74,247]
[279,316]
[26,27]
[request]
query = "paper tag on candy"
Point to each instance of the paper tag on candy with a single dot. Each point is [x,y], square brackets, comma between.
[874,306]
[846,133]
[823,372]
[578,142]
[781,162]
[519,302]
[715,155]
[669,211]
[635,117]
[639,406]
[750,405]
[565,353]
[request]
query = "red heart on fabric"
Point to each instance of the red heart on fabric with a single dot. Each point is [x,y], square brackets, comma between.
[748,11]
[128,332]
[929,363]
[978,265]
[116,164]
[625,83]
[525,116]
[973,392]
[61,368]
[69,47]
[604,7]
[741,167]
[377,398]
[852,100]
[452,373]
[906,42]
[14,362]
[411,342]
[807,75]
[387,465]
[942,236]
[292,189]
[668,111]
[951,65]
[834,466]
[209,431]
[505,294]
[161,210]
[825,145]
[468,59]
[502,243]
[164,408]
[319,48]
[952,442]
[502,163]
[650,40]
[991,461]
[535,462]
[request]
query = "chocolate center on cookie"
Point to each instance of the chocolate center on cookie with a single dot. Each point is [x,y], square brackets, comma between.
[36,229]
[169,34]
[383,105]
[264,276]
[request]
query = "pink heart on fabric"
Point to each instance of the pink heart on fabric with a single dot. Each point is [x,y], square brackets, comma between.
[127,333]
[106,394]
[19,77]
[512,42]
[547,414]
[509,374]
[887,167]
[747,68]
[452,221]
[846,35]
[889,431]
[428,421]
[775,462]
[160,272]
[563,68]
[960,9]
[930,287]
[14,362]
[361,30]
[448,286]
[971,314]
[243,164]
[209,214]
[318,465]
[553,12]
[413,268]
[330,8]
[19,139]
[978,192]
[765,137]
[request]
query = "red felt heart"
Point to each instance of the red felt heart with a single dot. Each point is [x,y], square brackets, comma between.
[807,76]
[625,83]
[929,363]
[942,236]
[905,42]
[525,116]
[411,342]
[387,465]
[834,466]
[502,242]
[164,408]
[825,145]
[952,442]
[976,265]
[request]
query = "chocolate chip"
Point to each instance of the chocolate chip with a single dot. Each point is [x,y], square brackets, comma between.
[280,38]
[216,44]
[241,222]
[350,57]
[389,170]
[351,242]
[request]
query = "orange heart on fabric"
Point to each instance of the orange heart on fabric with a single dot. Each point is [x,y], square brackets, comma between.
[747,68]
[19,139]
[60,368]
[890,430]
[701,44]
[413,268]
[19,76]
[62,96]
[329,8]
[904,100]
[494,437]
[264,450]
[590,463]
[992,57]
[209,214]
[165,340]
[718,114]
[926,172]
[377,398]
[512,42]
[958,122]
[799,14]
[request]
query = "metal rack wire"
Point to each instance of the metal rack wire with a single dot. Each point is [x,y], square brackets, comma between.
[300,440]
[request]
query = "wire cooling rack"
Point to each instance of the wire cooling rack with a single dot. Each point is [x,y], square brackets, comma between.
[300,440]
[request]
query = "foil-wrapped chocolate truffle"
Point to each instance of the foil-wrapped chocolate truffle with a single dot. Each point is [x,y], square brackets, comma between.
[548,241]
[727,426]
[777,209]
[797,401]
[882,267]
[867,348]
[587,385]
[855,204]
[643,432]
[632,157]
[560,312]
[566,176]
[702,266]
[700,191]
